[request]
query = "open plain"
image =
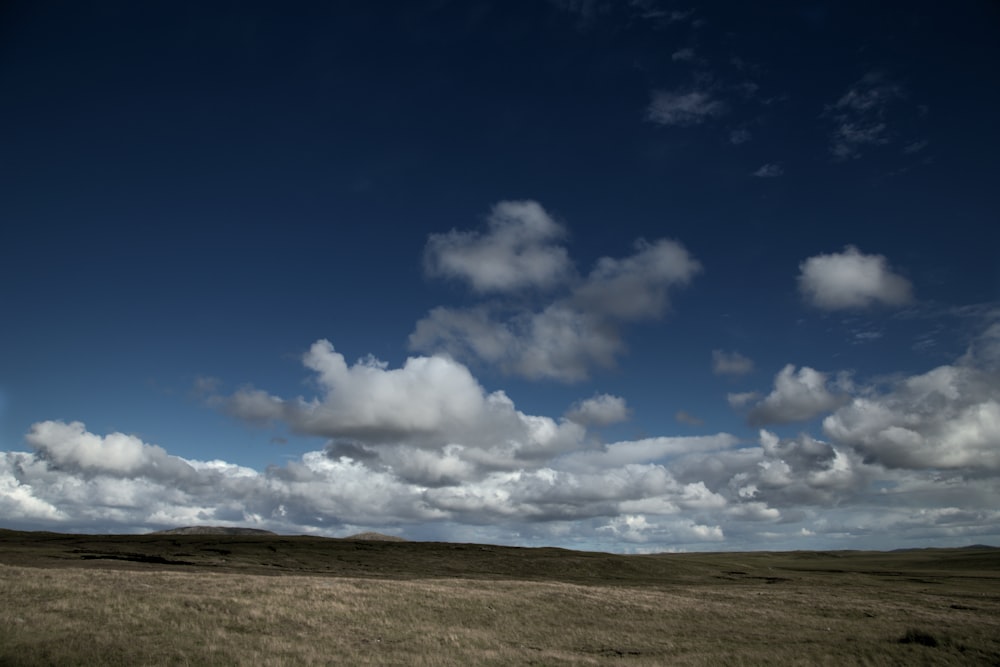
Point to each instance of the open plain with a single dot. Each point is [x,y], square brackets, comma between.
[276,600]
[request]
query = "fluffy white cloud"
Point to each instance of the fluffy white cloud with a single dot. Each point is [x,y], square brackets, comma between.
[688,107]
[577,330]
[534,480]
[635,288]
[947,418]
[760,483]
[430,402]
[600,410]
[730,363]
[72,446]
[851,280]
[558,342]
[799,396]
[516,252]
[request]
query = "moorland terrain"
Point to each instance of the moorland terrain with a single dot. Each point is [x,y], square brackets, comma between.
[191,598]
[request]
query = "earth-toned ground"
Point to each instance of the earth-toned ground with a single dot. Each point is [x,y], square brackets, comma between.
[271,599]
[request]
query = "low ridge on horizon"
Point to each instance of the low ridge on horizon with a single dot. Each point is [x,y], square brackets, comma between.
[213,530]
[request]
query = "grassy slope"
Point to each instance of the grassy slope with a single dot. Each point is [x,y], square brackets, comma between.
[202,600]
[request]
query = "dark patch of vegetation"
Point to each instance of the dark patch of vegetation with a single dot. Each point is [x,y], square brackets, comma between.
[136,558]
[914,636]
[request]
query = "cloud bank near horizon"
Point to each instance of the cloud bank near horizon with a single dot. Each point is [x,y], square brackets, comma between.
[422,450]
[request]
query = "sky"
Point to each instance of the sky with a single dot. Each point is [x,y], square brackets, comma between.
[631,276]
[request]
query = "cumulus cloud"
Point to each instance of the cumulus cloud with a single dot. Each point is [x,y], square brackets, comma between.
[430,402]
[518,250]
[780,475]
[557,343]
[799,396]
[947,418]
[663,493]
[683,107]
[330,491]
[535,480]
[635,288]
[730,363]
[601,410]
[851,279]
[577,330]
[71,446]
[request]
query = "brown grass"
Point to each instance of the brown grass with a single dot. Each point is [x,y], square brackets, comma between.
[722,609]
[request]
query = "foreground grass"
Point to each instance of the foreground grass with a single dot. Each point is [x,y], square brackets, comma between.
[190,600]
[126,617]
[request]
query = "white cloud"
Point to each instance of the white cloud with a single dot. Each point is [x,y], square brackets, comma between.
[635,288]
[769,170]
[730,363]
[424,451]
[683,108]
[947,418]
[71,446]
[430,402]
[851,279]
[798,396]
[558,342]
[645,451]
[516,252]
[601,410]
[576,331]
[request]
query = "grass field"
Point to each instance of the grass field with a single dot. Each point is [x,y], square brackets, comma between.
[260,600]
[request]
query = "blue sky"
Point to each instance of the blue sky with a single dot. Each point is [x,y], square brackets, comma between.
[630,276]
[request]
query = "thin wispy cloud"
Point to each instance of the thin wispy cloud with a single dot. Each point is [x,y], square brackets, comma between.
[769,170]
[730,363]
[683,107]
[861,117]
[740,136]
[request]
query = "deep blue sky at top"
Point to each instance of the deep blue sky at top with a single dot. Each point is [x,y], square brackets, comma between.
[203,189]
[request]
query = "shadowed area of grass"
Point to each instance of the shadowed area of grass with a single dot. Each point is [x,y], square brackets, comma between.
[196,599]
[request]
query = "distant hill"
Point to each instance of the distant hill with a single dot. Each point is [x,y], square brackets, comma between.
[970,547]
[375,537]
[213,530]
